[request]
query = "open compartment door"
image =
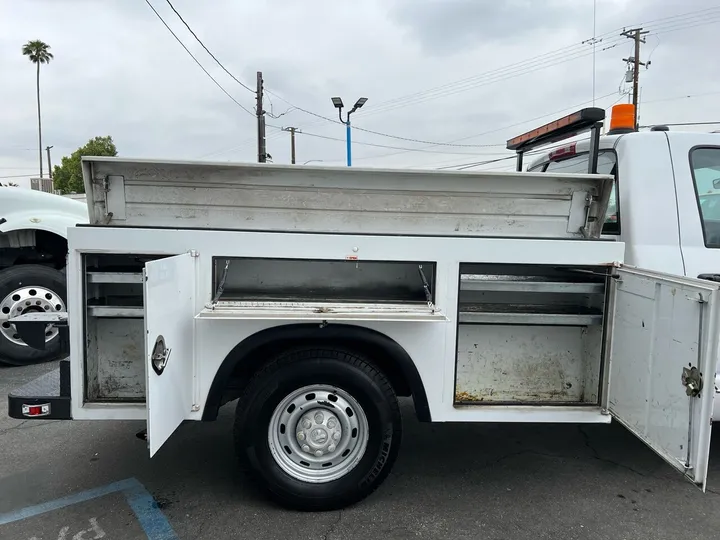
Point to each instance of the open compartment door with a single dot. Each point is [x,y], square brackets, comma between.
[663,350]
[169,344]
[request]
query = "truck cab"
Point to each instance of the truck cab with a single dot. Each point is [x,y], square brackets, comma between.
[33,255]
[665,204]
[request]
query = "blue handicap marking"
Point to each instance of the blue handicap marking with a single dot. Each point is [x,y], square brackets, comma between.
[146,510]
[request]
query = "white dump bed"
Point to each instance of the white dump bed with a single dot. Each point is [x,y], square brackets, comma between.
[151,193]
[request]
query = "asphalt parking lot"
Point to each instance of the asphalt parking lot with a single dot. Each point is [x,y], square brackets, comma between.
[88,480]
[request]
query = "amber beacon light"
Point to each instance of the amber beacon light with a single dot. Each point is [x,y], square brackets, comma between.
[622,119]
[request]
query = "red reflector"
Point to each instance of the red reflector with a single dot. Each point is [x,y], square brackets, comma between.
[565,151]
[36,410]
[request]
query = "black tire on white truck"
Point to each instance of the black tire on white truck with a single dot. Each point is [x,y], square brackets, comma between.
[319,428]
[27,288]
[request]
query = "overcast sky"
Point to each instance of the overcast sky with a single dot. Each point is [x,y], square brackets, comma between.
[433,70]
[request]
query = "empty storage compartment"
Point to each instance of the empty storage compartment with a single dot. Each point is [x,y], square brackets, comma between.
[529,334]
[115,328]
[333,281]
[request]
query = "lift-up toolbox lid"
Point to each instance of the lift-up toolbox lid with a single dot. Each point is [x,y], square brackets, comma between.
[150,193]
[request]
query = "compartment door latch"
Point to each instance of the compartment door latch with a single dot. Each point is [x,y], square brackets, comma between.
[692,381]
[160,355]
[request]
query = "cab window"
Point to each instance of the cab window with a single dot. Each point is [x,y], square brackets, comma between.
[607,164]
[705,165]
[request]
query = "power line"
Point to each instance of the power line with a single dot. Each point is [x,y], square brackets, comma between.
[197,61]
[684,124]
[536,63]
[208,50]
[687,96]
[504,127]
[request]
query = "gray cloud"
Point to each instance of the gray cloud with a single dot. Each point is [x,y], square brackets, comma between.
[444,26]
[118,71]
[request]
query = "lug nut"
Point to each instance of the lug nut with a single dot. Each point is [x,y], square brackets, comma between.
[318,453]
[307,424]
[319,417]
[301,436]
[331,448]
[331,423]
[305,448]
[336,436]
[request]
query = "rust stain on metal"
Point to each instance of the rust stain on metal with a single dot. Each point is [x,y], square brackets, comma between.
[465,397]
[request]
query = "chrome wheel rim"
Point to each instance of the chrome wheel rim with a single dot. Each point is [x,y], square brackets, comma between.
[28,300]
[318,433]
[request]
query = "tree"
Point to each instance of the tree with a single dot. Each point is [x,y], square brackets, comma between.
[67,177]
[39,53]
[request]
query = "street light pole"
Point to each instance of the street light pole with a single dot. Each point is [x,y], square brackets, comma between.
[338,103]
[348,141]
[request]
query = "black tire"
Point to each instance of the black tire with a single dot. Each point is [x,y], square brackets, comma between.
[291,371]
[25,275]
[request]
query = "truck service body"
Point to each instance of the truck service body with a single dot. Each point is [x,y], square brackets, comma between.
[315,296]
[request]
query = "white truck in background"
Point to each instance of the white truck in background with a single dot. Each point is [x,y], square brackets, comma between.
[315,296]
[665,206]
[33,252]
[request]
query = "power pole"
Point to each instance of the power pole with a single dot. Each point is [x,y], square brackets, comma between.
[262,150]
[636,34]
[49,163]
[292,131]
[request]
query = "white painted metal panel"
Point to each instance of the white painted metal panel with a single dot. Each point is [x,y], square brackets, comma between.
[662,324]
[117,348]
[345,200]
[169,310]
[526,365]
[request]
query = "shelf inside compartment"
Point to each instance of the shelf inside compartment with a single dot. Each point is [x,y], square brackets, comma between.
[532,314]
[114,277]
[528,284]
[322,311]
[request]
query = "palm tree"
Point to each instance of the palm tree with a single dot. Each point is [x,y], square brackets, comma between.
[39,53]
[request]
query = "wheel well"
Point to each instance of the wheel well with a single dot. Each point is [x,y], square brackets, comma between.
[252,353]
[34,246]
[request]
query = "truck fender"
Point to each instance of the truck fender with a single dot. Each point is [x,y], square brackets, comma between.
[248,355]
[40,221]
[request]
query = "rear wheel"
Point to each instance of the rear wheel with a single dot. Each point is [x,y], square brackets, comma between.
[29,288]
[319,428]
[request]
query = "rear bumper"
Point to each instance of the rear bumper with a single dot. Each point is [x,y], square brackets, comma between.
[45,398]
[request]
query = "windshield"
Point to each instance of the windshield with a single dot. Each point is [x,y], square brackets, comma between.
[705,164]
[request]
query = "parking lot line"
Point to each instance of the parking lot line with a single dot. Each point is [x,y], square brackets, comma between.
[149,516]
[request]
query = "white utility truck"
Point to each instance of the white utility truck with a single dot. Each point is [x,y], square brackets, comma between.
[315,296]
[33,250]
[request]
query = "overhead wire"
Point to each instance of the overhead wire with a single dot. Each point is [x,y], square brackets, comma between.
[546,60]
[503,127]
[208,50]
[197,61]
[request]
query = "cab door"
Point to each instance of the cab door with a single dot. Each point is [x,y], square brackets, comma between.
[169,288]
[663,342]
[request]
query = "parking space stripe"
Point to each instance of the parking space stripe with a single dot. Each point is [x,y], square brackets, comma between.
[150,517]
[144,506]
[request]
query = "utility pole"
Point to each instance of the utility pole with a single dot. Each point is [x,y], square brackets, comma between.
[49,162]
[292,131]
[636,34]
[262,150]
